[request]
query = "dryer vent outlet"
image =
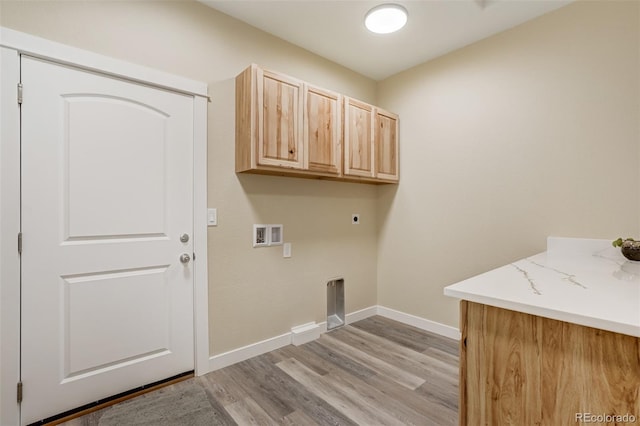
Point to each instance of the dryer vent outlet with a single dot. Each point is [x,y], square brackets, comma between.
[335,303]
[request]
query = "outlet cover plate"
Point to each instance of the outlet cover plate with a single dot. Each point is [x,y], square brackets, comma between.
[275,235]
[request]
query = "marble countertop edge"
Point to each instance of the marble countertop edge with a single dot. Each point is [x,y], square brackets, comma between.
[587,321]
[580,281]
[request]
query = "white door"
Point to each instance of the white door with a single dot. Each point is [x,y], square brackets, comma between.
[107,192]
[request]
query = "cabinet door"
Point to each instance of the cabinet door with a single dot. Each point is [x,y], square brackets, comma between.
[386,145]
[358,139]
[279,120]
[322,131]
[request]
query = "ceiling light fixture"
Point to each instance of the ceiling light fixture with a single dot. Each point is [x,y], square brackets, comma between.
[386,18]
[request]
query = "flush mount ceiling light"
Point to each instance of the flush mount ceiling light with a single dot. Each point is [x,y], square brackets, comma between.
[386,18]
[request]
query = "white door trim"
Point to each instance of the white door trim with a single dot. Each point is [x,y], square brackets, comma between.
[12,44]
[9,228]
[63,54]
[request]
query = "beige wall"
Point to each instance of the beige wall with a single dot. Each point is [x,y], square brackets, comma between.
[254,293]
[530,133]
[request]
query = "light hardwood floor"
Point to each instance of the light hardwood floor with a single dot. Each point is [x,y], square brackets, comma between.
[373,372]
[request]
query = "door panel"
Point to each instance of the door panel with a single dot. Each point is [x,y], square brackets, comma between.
[107,190]
[279,120]
[322,131]
[95,149]
[89,303]
[358,136]
[386,145]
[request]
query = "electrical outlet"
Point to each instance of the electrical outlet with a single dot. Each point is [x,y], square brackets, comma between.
[286,250]
[355,219]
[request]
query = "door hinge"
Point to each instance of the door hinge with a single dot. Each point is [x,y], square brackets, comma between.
[19,392]
[19,93]
[20,243]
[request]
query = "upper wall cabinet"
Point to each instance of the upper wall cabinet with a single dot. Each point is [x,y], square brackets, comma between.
[285,126]
[370,142]
[385,144]
[279,123]
[268,120]
[322,130]
[358,136]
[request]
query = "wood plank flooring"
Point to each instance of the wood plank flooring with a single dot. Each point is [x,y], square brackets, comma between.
[372,372]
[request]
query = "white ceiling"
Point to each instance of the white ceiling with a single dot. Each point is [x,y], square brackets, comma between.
[334,29]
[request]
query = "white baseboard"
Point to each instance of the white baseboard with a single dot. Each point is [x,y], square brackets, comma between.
[311,331]
[226,359]
[419,322]
[361,314]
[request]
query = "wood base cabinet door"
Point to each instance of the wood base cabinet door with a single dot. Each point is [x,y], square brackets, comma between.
[521,369]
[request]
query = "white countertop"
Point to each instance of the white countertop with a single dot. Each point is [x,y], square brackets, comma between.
[581,281]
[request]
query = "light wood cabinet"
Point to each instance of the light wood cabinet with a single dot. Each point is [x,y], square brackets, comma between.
[268,120]
[521,369]
[370,142]
[279,125]
[358,138]
[386,145]
[322,130]
[288,127]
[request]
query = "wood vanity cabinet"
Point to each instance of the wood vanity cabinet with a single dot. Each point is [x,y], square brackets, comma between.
[288,127]
[370,142]
[522,369]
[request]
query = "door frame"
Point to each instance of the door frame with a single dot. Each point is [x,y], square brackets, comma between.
[12,45]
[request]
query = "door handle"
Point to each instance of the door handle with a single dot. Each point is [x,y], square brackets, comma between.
[185,258]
